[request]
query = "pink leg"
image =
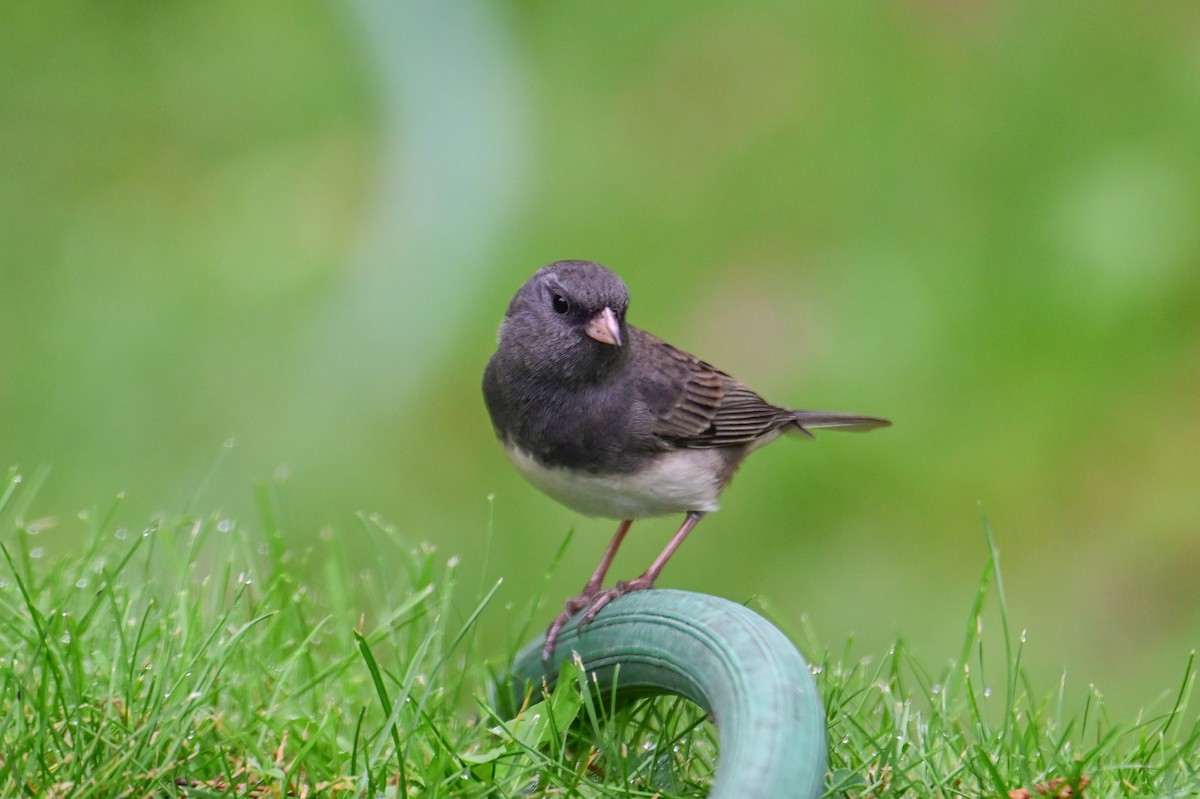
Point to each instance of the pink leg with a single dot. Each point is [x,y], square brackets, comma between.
[689,521]
[590,591]
[593,585]
[650,575]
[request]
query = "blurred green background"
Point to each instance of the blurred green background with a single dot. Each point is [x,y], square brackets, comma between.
[293,226]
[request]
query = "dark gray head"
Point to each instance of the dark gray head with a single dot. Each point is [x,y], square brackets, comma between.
[567,322]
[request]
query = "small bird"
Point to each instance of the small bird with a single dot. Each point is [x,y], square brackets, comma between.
[613,422]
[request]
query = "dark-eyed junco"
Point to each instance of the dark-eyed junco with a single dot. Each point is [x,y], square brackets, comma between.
[613,422]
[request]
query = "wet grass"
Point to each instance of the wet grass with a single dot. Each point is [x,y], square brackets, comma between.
[977,727]
[187,657]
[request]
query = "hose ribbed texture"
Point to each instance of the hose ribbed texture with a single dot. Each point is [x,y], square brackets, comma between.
[725,658]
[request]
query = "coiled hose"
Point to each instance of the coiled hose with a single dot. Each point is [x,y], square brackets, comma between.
[724,657]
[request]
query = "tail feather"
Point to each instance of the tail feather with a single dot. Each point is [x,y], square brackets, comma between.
[822,420]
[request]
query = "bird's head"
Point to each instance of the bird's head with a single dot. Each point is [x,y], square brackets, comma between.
[567,322]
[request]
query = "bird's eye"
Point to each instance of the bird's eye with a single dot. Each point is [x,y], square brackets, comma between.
[561,303]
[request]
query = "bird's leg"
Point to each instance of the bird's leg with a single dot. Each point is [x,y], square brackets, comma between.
[593,584]
[648,577]
[589,593]
[691,520]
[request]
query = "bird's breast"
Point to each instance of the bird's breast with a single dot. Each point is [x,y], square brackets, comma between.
[675,481]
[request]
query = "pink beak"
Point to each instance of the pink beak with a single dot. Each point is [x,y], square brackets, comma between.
[603,327]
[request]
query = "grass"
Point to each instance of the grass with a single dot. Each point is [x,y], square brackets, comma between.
[189,658]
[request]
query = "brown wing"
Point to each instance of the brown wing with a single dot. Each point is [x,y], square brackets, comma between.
[693,404]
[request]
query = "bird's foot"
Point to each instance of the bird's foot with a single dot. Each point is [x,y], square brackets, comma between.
[570,608]
[594,599]
[622,588]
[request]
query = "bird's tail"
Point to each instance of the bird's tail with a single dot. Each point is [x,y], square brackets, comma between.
[804,421]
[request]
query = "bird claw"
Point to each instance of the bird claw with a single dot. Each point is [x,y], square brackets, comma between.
[594,600]
[570,608]
[604,597]
[637,584]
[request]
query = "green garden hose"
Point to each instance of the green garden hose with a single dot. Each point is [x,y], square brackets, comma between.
[725,658]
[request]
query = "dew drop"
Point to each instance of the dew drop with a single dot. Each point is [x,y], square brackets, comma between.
[82,582]
[37,552]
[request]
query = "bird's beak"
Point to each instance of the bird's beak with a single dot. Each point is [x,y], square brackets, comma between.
[603,327]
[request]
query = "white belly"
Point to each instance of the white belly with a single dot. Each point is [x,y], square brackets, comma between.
[674,482]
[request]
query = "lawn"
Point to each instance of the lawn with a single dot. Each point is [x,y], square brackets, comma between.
[201,655]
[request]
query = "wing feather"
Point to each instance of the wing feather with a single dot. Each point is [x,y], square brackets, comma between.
[693,404]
